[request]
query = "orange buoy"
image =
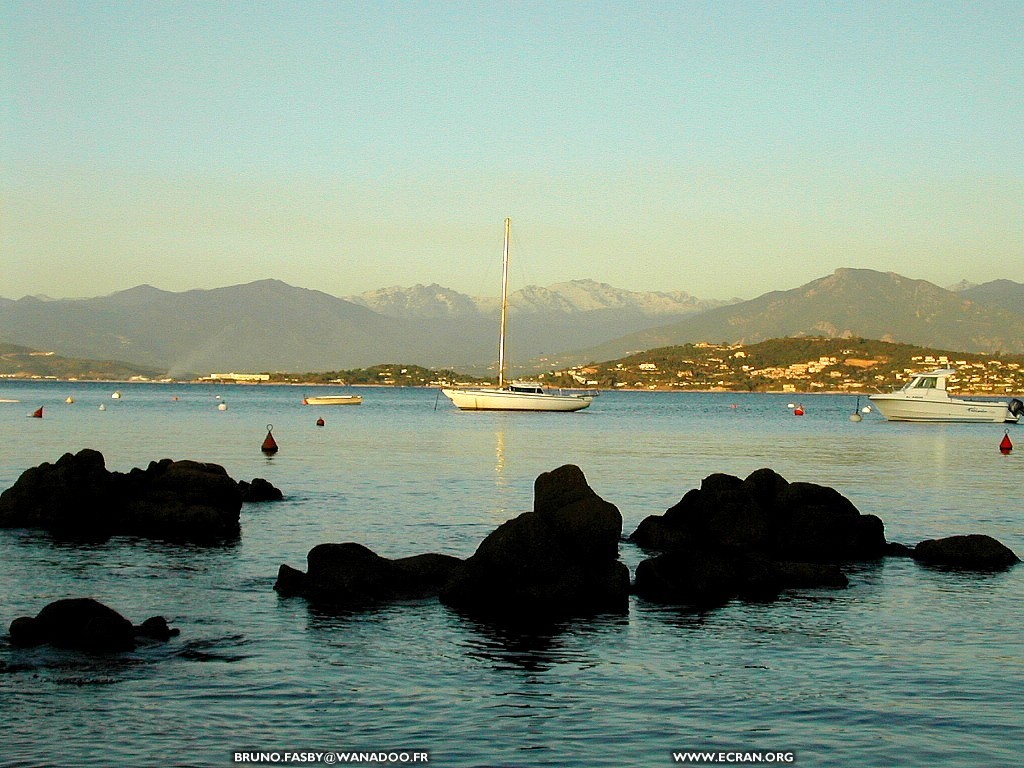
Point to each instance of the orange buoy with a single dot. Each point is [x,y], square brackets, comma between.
[38,413]
[1006,445]
[269,443]
[798,411]
[320,422]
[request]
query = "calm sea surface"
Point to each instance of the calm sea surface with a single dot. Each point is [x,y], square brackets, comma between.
[909,666]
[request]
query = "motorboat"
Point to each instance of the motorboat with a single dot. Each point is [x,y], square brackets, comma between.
[333,400]
[514,396]
[926,398]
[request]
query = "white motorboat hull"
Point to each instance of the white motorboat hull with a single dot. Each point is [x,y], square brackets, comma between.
[897,407]
[333,400]
[506,400]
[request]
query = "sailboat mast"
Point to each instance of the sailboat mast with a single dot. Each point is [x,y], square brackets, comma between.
[504,307]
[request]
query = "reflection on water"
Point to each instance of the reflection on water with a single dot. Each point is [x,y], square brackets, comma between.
[500,469]
[535,647]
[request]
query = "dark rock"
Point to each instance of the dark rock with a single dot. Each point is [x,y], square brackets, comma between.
[697,579]
[78,497]
[156,628]
[972,552]
[290,581]
[766,514]
[705,579]
[186,500]
[752,538]
[894,549]
[70,497]
[259,490]
[78,623]
[818,524]
[561,559]
[351,575]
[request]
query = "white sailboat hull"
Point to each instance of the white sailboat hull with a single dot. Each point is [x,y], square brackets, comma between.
[507,400]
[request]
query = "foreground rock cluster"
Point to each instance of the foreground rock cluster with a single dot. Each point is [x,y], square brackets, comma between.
[732,537]
[174,500]
[750,538]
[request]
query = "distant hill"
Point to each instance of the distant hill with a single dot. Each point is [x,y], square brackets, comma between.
[1005,294]
[852,303]
[269,326]
[18,362]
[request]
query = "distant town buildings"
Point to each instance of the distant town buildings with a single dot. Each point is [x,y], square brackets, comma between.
[736,367]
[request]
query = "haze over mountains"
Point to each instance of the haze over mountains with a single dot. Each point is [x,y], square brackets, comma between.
[271,326]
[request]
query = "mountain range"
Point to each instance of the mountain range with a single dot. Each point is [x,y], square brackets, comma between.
[269,325]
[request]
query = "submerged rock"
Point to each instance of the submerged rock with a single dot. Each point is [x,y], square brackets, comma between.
[259,490]
[78,497]
[351,575]
[559,560]
[972,552]
[85,624]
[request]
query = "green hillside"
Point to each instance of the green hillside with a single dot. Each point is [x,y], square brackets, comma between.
[805,364]
[24,363]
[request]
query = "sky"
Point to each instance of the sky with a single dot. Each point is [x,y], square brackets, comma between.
[725,149]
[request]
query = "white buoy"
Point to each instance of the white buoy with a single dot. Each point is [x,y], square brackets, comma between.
[103,407]
[116,396]
[866,409]
[222,407]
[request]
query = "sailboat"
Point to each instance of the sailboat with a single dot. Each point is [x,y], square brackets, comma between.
[514,396]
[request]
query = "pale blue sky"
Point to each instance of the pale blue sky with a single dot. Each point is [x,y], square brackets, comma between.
[721,148]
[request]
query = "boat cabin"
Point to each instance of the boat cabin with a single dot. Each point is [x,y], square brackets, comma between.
[933,380]
[526,387]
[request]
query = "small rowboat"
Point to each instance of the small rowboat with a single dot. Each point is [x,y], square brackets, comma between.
[333,400]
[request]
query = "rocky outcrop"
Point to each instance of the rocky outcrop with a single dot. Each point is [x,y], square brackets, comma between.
[78,497]
[970,552]
[353,576]
[85,624]
[258,491]
[800,522]
[73,496]
[559,560]
[753,538]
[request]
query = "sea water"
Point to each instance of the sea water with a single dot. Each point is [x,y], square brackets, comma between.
[909,665]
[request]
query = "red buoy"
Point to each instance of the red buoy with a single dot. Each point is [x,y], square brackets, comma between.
[1006,445]
[798,411]
[269,443]
[320,422]
[38,413]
